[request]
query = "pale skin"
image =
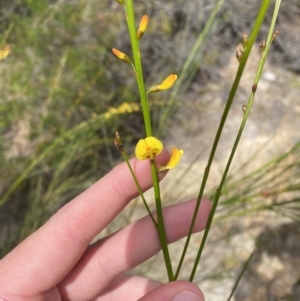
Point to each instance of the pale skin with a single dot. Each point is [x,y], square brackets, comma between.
[57,262]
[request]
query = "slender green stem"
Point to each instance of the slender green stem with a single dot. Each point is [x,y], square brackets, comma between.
[148,127]
[241,274]
[246,114]
[257,25]
[160,220]
[139,188]
[138,65]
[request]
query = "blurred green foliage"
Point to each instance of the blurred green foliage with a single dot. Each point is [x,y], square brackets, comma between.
[56,85]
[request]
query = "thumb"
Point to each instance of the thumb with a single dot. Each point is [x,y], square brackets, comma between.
[175,291]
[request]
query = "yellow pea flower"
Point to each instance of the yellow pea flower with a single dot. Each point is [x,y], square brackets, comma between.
[148,148]
[4,52]
[165,85]
[121,55]
[142,27]
[174,159]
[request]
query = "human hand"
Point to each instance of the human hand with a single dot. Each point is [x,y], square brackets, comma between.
[58,263]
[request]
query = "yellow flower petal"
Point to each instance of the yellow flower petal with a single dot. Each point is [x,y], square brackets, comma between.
[174,159]
[121,55]
[165,85]
[148,148]
[142,28]
[4,52]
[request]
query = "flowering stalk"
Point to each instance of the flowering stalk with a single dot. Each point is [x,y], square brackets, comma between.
[138,65]
[135,36]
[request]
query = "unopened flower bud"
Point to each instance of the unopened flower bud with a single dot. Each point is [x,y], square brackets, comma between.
[275,34]
[142,28]
[244,108]
[262,47]
[239,52]
[122,56]
[118,142]
[244,40]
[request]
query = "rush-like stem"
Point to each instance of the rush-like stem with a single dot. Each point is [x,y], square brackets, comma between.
[257,25]
[241,274]
[160,220]
[138,65]
[148,128]
[124,154]
[271,36]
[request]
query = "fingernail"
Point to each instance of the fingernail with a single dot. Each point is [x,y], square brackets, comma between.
[187,296]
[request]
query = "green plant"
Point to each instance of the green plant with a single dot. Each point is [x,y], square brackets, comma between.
[151,148]
[74,107]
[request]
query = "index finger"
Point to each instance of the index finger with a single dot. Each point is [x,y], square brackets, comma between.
[43,259]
